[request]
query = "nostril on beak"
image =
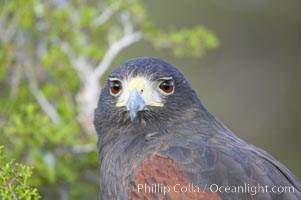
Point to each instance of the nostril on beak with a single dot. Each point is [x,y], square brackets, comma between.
[135,103]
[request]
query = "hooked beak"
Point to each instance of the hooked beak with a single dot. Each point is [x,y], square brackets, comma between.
[134,104]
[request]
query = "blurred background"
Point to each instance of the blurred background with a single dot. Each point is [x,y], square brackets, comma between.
[242,57]
[252,81]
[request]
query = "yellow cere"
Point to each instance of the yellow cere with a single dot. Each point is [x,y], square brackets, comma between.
[120,104]
[157,104]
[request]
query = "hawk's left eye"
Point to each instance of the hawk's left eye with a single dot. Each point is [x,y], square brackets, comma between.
[167,86]
[115,87]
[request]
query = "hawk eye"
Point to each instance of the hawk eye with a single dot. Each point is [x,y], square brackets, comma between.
[115,87]
[167,86]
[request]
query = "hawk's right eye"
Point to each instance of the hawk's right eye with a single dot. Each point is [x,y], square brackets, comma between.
[115,87]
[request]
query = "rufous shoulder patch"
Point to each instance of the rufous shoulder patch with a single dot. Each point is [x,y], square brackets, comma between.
[161,178]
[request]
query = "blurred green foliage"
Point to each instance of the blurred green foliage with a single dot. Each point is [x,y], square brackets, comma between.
[191,42]
[15,180]
[39,41]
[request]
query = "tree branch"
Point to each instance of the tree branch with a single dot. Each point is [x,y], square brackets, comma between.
[80,64]
[81,149]
[15,81]
[106,14]
[42,100]
[113,51]
[7,31]
[10,31]
[9,184]
[130,36]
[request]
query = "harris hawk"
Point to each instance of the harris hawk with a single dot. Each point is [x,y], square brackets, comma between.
[157,141]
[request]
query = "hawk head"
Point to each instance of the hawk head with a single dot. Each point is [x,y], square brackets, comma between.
[145,91]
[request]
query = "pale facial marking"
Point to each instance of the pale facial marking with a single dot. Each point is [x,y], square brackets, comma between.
[146,88]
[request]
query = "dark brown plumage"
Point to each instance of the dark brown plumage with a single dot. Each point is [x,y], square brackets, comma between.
[154,134]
